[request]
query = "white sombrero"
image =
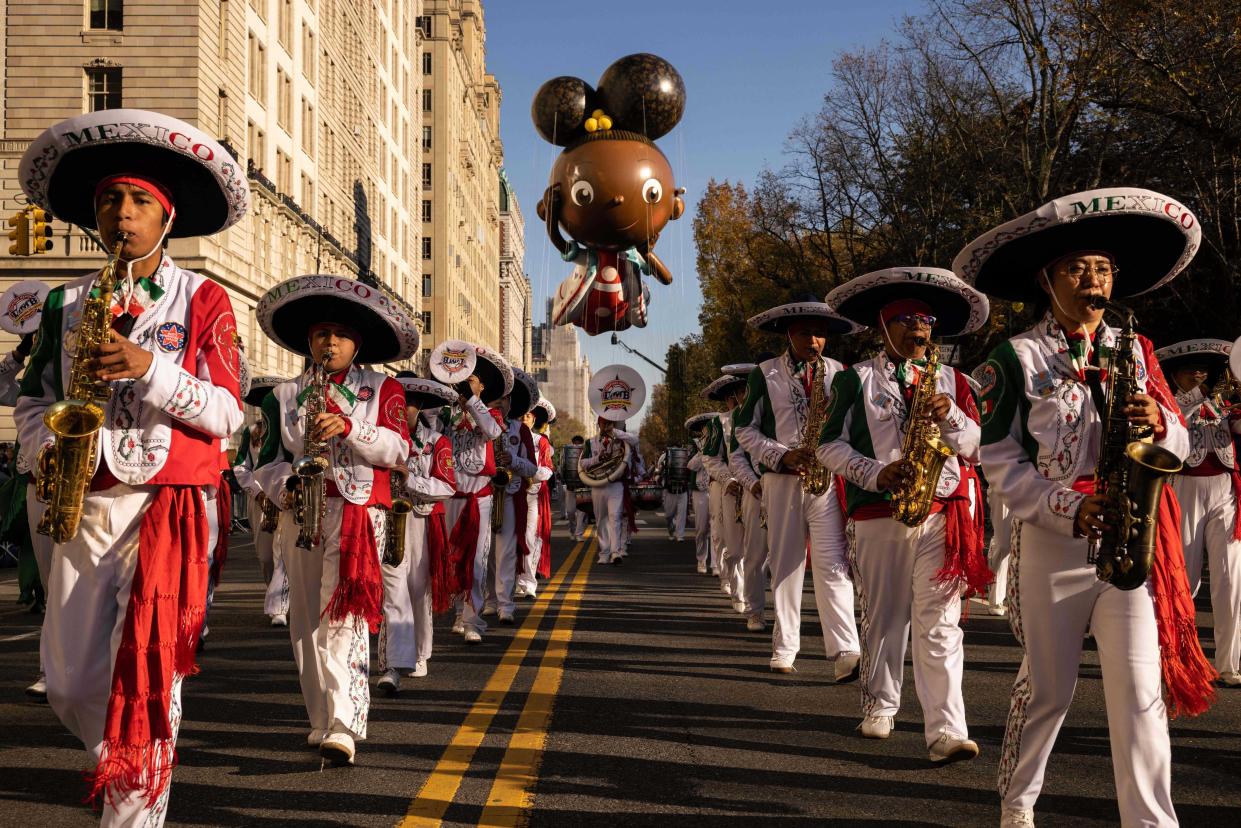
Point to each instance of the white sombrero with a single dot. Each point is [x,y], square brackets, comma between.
[777,319]
[957,307]
[428,392]
[739,369]
[452,361]
[699,420]
[1150,237]
[287,311]
[544,412]
[721,387]
[1213,353]
[260,387]
[524,395]
[495,373]
[62,167]
[21,307]
[616,392]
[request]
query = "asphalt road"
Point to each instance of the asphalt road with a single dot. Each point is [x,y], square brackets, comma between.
[626,695]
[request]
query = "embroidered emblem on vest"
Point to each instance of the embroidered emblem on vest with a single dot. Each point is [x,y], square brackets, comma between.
[170,337]
[365,393]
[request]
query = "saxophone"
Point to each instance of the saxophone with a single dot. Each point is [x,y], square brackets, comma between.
[923,452]
[66,467]
[816,478]
[271,514]
[1131,471]
[309,481]
[398,518]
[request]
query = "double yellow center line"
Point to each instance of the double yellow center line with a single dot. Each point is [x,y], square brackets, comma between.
[512,791]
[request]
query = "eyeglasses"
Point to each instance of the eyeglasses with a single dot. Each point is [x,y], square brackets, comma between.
[1104,271]
[913,320]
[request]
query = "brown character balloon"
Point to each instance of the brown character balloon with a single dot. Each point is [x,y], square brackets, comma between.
[612,190]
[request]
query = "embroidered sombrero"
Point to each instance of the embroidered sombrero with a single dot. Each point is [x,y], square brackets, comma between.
[524,395]
[778,319]
[699,420]
[260,387]
[544,412]
[494,372]
[957,307]
[739,369]
[287,311]
[1212,353]
[62,166]
[1151,238]
[721,387]
[425,393]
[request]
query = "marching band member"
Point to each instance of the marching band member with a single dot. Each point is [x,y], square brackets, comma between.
[538,503]
[778,429]
[910,570]
[1209,486]
[676,495]
[474,426]
[576,518]
[332,540]
[629,508]
[509,555]
[615,392]
[754,529]
[139,553]
[422,581]
[729,389]
[1041,436]
[697,426]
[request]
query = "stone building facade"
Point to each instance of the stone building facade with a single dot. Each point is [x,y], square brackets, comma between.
[515,290]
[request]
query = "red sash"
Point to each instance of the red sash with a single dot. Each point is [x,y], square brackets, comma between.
[443,576]
[359,587]
[463,542]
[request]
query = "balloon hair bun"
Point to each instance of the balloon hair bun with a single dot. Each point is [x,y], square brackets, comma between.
[560,109]
[639,96]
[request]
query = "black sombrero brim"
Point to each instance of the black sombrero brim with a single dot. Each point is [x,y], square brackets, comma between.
[952,311]
[834,326]
[1145,248]
[423,401]
[257,394]
[292,321]
[201,206]
[540,417]
[491,378]
[521,399]
[1215,364]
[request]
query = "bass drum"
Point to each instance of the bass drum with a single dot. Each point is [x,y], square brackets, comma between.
[649,496]
[570,454]
[585,503]
[678,469]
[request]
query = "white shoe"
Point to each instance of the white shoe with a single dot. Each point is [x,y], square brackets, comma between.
[680,540]
[755,624]
[618,559]
[951,748]
[702,569]
[473,637]
[38,690]
[876,727]
[420,669]
[604,559]
[519,591]
[1230,678]
[390,682]
[506,618]
[316,737]
[726,589]
[280,620]
[1016,818]
[846,669]
[781,665]
[715,572]
[458,626]
[488,609]
[739,606]
[998,610]
[337,748]
[532,595]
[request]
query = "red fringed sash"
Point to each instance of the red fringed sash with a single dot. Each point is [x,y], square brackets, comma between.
[1236,497]
[162,622]
[963,537]
[443,577]
[545,530]
[521,517]
[359,587]
[463,542]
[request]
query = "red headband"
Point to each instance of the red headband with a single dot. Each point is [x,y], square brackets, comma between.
[901,307]
[158,191]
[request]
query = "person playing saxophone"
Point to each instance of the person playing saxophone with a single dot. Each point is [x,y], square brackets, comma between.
[902,430]
[784,397]
[729,388]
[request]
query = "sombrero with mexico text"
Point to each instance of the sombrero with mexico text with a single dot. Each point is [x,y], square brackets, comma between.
[699,420]
[544,412]
[957,307]
[260,387]
[1150,237]
[494,372]
[387,329]
[1211,353]
[524,395]
[63,166]
[778,319]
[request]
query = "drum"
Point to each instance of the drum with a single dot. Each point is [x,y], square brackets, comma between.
[585,503]
[648,496]
[569,455]
[678,469]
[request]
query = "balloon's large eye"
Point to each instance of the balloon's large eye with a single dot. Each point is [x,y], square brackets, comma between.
[583,194]
[652,191]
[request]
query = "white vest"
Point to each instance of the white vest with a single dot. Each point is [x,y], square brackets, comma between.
[1207,434]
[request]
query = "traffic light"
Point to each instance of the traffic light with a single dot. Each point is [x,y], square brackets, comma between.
[20,234]
[40,231]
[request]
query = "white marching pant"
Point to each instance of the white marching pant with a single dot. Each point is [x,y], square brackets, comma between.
[468,610]
[716,492]
[1054,597]
[997,552]
[271,562]
[675,504]
[569,498]
[702,526]
[1208,516]
[754,581]
[504,560]
[527,579]
[732,559]
[896,567]
[792,517]
[88,587]
[405,635]
[609,504]
[41,545]
[333,657]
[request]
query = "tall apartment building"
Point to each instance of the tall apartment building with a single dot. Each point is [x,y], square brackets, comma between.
[321,98]
[461,160]
[562,371]
[515,295]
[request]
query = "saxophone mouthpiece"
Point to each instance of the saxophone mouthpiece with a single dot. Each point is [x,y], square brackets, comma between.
[920,341]
[120,236]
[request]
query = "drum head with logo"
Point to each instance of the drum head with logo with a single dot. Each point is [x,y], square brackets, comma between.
[452,361]
[616,392]
[21,307]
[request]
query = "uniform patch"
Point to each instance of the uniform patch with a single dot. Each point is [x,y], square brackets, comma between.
[170,337]
[985,374]
[1044,383]
[365,393]
[444,462]
[395,414]
[1140,371]
[224,332]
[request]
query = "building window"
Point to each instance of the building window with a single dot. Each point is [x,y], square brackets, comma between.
[284,172]
[426,63]
[107,14]
[103,88]
[426,247]
[426,175]
[308,128]
[258,70]
[426,137]
[426,285]
[284,103]
[308,52]
[284,24]
[426,322]
[424,23]
[426,100]
[426,210]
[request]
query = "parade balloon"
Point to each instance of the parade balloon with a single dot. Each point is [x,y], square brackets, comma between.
[559,109]
[643,89]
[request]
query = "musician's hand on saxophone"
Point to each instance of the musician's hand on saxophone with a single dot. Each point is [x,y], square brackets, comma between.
[120,359]
[939,408]
[329,425]
[1091,518]
[733,489]
[893,476]
[1142,410]
[757,489]
[798,459]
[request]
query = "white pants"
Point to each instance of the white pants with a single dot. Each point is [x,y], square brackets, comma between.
[469,609]
[405,635]
[1054,597]
[716,491]
[702,525]
[570,503]
[87,598]
[528,578]
[1208,514]
[333,657]
[675,504]
[754,541]
[271,562]
[896,568]
[732,559]
[997,553]
[609,504]
[504,561]
[792,517]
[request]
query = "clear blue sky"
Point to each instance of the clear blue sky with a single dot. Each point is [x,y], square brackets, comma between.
[751,71]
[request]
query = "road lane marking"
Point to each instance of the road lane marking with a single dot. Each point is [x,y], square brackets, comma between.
[437,793]
[512,792]
[22,637]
